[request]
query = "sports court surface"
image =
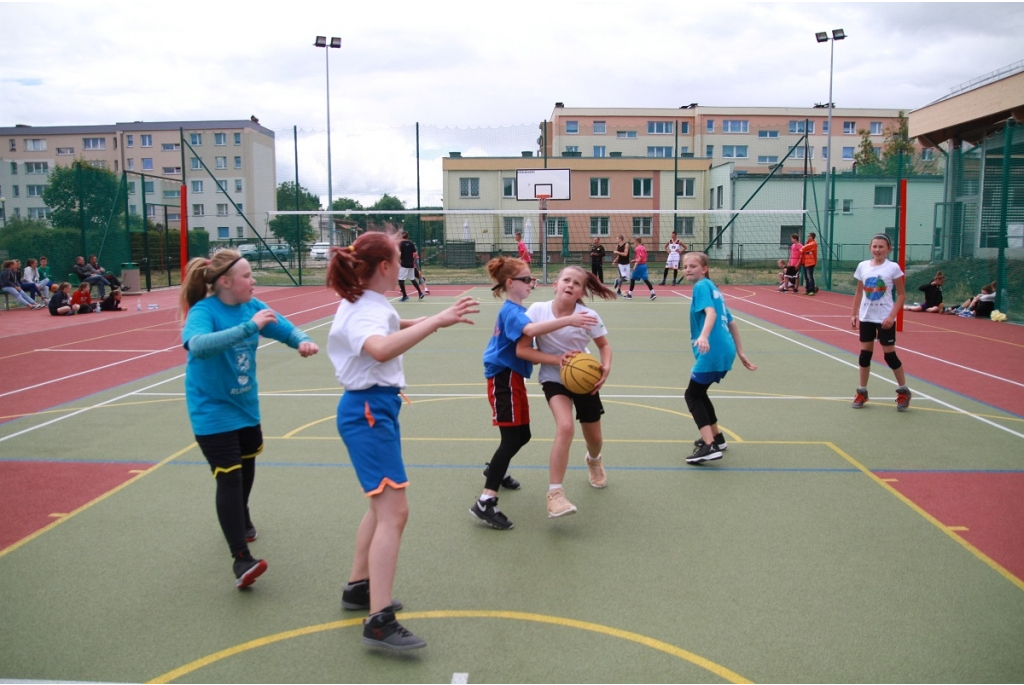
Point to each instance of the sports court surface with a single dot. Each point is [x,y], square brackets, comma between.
[829,545]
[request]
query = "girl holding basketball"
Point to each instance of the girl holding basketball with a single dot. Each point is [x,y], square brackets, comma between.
[365,344]
[715,339]
[223,325]
[506,369]
[572,285]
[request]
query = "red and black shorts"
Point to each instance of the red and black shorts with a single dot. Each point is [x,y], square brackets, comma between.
[506,392]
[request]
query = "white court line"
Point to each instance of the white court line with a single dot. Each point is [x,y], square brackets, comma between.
[460,678]
[53,349]
[901,347]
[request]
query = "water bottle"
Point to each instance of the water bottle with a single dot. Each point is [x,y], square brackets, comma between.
[138,305]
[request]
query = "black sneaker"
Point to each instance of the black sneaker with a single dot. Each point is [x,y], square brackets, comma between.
[383,630]
[719,441]
[488,512]
[508,482]
[250,530]
[703,453]
[247,570]
[356,597]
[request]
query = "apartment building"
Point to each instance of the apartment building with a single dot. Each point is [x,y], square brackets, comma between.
[228,168]
[754,139]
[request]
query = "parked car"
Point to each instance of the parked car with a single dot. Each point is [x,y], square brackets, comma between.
[319,251]
[282,251]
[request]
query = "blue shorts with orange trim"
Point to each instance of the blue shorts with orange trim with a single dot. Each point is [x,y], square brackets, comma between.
[368,425]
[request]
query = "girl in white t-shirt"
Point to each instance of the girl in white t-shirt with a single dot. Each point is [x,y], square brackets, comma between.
[572,285]
[874,312]
[366,344]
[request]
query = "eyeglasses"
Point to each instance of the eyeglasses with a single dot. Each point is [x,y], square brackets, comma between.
[529,280]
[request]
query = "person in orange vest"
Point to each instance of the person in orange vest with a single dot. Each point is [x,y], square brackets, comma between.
[809,253]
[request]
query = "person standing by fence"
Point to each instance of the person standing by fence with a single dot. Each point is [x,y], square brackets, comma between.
[809,253]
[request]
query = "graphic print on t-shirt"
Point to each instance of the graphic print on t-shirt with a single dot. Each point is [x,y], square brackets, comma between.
[874,288]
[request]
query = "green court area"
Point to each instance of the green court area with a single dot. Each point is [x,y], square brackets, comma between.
[796,558]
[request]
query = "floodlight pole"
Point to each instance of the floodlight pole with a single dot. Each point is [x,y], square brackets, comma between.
[321,42]
[822,37]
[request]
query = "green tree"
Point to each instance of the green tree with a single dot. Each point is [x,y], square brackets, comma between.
[897,143]
[865,159]
[294,230]
[347,203]
[388,203]
[82,189]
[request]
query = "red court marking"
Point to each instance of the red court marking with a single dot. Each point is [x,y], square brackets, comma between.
[32,490]
[987,504]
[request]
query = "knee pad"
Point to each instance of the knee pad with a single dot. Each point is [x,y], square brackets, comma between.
[892,360]
[865,359]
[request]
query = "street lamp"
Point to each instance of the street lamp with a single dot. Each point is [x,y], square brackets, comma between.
[3,210]
[823,37]
[321,42]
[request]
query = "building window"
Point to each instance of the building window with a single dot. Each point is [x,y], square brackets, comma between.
[884,196]
[824,152]
[94,143]
[684,128]
[642,225]
[878,152]
[928,154]
[238,185]
[801,126]
[13,145]
[599,127]
[171,147]
[198,210]
[572,148]
[147,187]
[35,144]
[172,171]
[37,212]
[222,210]
[220,138]
[17,193]
[710,124]
[847,153]
[238,162]
[659,151]
[572,127]
[625,134]
[133,210]
[508,187]
[850,127]
[221,162]
[173,216]
[129,141]
[146,140]
[469,187]
[600,187]
[172,194]
[876,128]
[767,159]
[65,151]
[223,232]
[767,134]
[684,150]
[98,163]
[600,151]
[197,186]
[734,126]
[660,127]
[684,225]
[643,187]
[196,138]
[14,168]
[512,225]
[34,191]
[131,187]
[36,167]
[241,209]
[599,226]
[131,163]
[734,151]
[196,165]
[151,210]
[709,150]
[147,163]
[847,206]
[798,152]
[824,127]
[239,231]
[556,226]
[222,185]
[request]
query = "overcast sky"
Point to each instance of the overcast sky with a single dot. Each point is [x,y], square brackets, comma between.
[470,65]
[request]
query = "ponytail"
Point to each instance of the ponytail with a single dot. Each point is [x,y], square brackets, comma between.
[353,265]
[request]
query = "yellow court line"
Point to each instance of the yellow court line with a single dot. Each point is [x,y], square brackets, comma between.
[643,640]
[968,335]
[99,499]
[990,562]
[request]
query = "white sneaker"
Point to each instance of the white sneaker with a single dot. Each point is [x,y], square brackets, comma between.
[558,505]
[595,470]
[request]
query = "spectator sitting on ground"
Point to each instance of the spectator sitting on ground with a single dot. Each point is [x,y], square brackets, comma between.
[83,298]
[111,279]
[89,275]
[112,302]
[932,296]
[980,306]
[60,303]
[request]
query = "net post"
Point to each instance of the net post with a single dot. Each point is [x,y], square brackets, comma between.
[902,246]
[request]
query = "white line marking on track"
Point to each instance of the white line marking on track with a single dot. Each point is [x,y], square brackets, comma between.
[53,349]
[460,678]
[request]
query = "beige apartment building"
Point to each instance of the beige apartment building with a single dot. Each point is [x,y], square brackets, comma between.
[754,139]
[228,169]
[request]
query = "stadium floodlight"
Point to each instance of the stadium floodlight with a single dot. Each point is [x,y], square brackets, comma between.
[822,37]
[321,42]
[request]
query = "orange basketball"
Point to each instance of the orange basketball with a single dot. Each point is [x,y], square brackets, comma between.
[581,374]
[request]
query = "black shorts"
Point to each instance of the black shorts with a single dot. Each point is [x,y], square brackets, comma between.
[869,331]
[588,407]
[225,451]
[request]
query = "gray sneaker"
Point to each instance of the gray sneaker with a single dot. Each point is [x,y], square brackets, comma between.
[382,630]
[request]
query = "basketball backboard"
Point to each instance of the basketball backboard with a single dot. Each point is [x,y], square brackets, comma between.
[531,183]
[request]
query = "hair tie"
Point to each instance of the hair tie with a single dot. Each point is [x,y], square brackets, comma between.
[207,262]
[352,248]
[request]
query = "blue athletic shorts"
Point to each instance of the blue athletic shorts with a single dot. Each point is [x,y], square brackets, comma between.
[639,273]
[368,425]
[708,377]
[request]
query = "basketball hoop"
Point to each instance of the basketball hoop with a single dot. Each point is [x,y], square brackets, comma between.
[543,202]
